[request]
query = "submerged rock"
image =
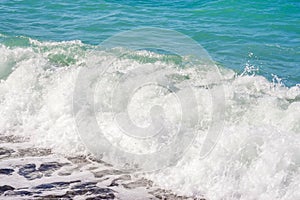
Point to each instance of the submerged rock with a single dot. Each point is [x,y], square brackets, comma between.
[6,171]
[56,185]
[5,188]
[48,168]
[19,193]
[4,152]
[29,172]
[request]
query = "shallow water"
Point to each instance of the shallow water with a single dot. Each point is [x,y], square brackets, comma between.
[37,173]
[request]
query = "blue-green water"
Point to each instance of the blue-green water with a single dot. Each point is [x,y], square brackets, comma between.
[62,94]
[263,34]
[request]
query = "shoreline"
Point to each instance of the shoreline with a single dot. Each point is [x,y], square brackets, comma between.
[37,173]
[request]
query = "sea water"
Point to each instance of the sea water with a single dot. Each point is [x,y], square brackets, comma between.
[45,45]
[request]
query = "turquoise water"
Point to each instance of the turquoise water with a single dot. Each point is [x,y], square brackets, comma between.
[263,34]
[236,33]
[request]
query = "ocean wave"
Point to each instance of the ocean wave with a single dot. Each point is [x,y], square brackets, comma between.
[256,156]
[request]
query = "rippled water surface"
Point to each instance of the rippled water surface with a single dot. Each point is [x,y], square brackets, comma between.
[264,34]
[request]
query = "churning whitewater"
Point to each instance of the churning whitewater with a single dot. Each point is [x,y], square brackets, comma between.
[255,157]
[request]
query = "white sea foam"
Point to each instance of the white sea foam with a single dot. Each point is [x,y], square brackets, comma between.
[256,157]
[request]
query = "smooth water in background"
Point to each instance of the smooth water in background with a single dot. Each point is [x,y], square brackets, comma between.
[262,34]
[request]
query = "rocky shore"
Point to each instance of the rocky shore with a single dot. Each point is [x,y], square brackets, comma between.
[36,173]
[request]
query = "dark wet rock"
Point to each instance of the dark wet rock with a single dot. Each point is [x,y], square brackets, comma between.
[84,185]
[29,171]
[105,192]
[23,193]
[102,190]
[54,185]
[4,152]
[51,196]
[118,180]
[19,193]
[113,184]
[90,188]
[26,169]
[6,171]
[5,188]
[102,196]
[48,168]
[98,193]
